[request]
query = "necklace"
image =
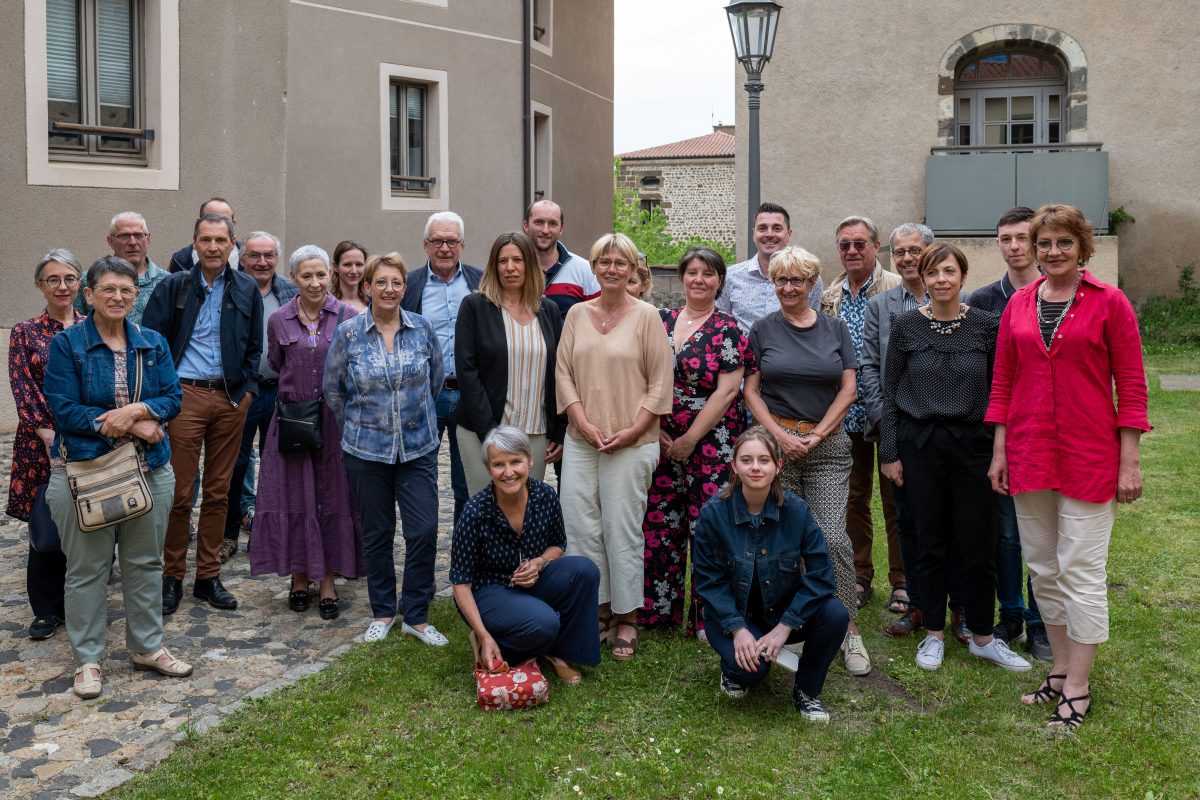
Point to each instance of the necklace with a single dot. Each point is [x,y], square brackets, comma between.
[604,323]
[1045,322]
[312,326]
[946,326]
[690,320]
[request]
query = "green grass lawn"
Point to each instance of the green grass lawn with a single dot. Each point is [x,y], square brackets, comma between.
[398,719]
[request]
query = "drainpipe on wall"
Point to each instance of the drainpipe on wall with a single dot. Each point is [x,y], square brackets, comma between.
[526,105]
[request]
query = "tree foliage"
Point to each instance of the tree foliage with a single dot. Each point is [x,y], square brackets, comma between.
[648,229]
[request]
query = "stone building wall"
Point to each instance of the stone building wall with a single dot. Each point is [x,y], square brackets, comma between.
[697,195]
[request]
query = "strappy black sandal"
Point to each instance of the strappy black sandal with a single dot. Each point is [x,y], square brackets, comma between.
[1073,720]
[1046,693]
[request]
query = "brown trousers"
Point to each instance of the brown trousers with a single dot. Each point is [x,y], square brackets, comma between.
[859,525]
[207,419]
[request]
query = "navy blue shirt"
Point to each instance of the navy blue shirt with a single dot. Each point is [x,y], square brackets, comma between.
[486,550]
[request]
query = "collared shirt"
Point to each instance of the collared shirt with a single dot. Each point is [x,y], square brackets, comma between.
[749,295]
[384,402]
[439,304]
[1062,429]
[486,550]
[202,356]
[993,297]
[853,313]
[570,281]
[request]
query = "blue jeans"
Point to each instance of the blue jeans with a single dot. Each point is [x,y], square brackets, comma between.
[447,405]
[376,489]
[258,417]
[1009,566]
[556,616]
[822,637]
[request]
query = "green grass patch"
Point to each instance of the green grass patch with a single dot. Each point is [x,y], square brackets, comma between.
[399,719]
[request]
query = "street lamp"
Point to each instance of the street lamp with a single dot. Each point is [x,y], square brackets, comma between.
[753,24]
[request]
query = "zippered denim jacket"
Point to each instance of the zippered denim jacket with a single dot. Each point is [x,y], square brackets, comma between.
[794,572]
[384,402]
[79,387]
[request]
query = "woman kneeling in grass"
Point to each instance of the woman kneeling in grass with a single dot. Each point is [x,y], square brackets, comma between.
[763,572]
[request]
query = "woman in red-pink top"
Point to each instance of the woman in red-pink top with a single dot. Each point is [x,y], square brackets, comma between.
[1061,448]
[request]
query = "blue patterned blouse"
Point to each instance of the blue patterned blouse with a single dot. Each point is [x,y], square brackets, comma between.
[486,550]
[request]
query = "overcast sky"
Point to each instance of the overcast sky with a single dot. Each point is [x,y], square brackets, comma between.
[674,71]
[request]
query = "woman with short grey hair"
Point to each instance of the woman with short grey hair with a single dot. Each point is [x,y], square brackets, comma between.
[520,596]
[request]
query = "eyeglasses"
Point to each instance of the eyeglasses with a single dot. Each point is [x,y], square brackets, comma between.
[128,237]
[915,252]
[108,290]
[605,263]
[1063,244]
[384,283]
[54,281]
[857,245]
[438,244]
[781,282]
[251,256]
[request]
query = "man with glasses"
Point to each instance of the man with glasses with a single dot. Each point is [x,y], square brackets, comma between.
[435,292]
[211,317]
[260,256]
[129,238]
[748,294]
[863,277]
[186,257]
[1018,622]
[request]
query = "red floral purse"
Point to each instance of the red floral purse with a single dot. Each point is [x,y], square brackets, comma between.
[523,686]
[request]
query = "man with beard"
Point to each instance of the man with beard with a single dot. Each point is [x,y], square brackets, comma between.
[569,278]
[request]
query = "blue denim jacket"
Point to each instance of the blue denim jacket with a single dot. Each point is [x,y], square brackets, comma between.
[384,402]
[794,572]
[79,387]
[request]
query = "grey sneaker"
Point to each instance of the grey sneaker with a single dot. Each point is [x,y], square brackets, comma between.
[930,653]
[999,654]
[1037,644]
[732,690]
[809,707]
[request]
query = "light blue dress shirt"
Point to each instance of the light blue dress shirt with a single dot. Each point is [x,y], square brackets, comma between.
[202,358]
[439,304]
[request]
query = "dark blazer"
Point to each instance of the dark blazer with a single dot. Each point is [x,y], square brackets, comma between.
[481,359]
[419,277]
[174,307]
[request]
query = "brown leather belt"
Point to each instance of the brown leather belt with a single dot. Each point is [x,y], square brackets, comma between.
[800,427]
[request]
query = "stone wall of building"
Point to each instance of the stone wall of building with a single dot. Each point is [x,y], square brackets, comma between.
[697,195]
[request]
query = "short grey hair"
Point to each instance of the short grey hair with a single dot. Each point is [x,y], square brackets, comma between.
[445,216]
[854,219]
[133,215]
[62,256]
[264,235]
[506,439]
[307,253]
[909,228]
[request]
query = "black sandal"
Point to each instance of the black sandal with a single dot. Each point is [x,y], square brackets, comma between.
[328,606]
[1073,720]
[899,605]
[1046,693]
[864,591]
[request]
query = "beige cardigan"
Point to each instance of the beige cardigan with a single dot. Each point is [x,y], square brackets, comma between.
[831,300]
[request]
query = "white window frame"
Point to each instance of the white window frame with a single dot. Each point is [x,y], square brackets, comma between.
[437,156]
[542,155]
[160,92]
[546,45]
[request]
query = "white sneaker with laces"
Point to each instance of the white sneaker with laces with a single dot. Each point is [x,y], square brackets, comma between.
[430,635]
[999,653]
[930,653]
[378,630]
[854,652]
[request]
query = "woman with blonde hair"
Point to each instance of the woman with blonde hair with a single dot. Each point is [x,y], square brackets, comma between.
[505,340]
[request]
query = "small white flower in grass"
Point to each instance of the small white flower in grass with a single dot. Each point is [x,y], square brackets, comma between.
[720,790]
[576,789]
[676,751]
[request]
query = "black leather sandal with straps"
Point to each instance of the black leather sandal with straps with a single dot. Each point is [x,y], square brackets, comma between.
[1046,693]
[1072,720]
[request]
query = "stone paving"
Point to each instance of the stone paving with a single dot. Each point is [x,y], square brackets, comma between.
[52,744]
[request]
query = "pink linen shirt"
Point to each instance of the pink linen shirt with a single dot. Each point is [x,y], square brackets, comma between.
[1062,427]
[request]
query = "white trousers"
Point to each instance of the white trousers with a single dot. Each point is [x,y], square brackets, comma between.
[470,449]
[603,501]
[1065,544]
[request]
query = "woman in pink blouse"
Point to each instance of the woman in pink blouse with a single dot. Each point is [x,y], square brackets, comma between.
[1061,449]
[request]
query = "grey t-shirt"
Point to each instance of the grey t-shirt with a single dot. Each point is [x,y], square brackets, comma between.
[270,306]
[801,368]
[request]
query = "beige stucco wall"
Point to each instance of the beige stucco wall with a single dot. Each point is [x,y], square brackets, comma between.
[851,109]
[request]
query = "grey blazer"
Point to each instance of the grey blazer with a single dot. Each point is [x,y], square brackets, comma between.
[877,327]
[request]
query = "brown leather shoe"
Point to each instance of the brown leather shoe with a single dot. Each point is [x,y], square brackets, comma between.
[958,625]
[909,622]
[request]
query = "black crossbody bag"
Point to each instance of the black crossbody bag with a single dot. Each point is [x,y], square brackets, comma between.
[299,422]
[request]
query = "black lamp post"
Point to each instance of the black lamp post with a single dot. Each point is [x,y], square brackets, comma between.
[753,25]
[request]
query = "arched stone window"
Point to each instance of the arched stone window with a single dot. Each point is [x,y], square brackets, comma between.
[1013,84]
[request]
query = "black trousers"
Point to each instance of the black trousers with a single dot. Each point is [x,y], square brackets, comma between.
[45,577]
[909,551]
[945,469]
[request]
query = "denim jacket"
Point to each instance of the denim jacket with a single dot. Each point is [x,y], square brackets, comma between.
[794,572]
[79,387]
[384,402]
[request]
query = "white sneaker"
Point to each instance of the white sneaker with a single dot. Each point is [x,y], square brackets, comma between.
[999,653]
[930,653]
[430,635]
[378,630]
[854,652]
